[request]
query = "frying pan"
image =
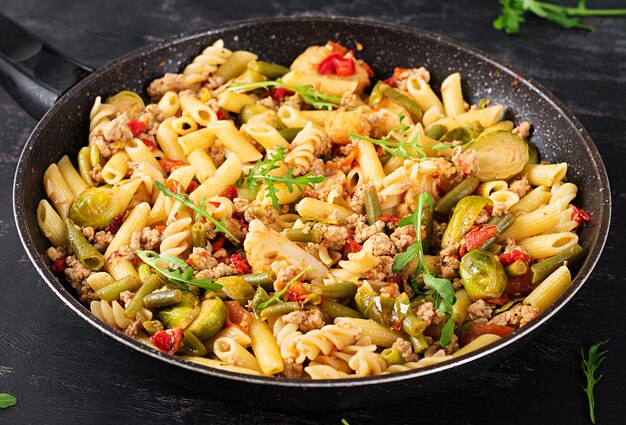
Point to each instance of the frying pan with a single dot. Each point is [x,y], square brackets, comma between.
[30,69]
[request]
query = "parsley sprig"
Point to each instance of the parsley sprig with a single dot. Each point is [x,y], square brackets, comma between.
[220,225]
[307,93]
[7,400]
[512,14]
[176,270]
[590,365]
[442,290]
[277,297]
[261,173]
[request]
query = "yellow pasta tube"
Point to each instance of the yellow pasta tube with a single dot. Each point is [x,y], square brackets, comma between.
[265,347]
[116,168]
[233,332]
[235,64]
[480,342]
[168,141]
[331,85]
[423,94]
[75,182]
[137,151]
[234,102]
[502,125]
[543,246]
[202,163]
[266,135]
[199,139]
[234,141]
[119,268]
[228,173]
[544,295]
[125,190]
[169,104]
[452,95]
[487,117]
[200,112]
[368,160]
[317,117]
[534,223]
[291,117]
[184,125]
[99,280]
[545,174]
[379,334]
[58,191]
[51,224]
[487,188]
[505,197]
[230,351]
[462,303]
[136,220]
[431,116]
[311,207]
[534,199]
[282,193]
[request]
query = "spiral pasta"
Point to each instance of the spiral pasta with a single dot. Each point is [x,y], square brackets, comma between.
[176,237]
[207,62]
[303,148]
[100,114]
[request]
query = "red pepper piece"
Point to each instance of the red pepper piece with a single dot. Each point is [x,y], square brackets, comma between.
[149,143]
[192,186]
[489,328]
[389,219]
[351,246]
[137,127]
[279,93]
[337,65]
[168,340]
[170,165]
[513,256]
[336,47]
[240,264]
[218,243]
[477,236]
[237,315]
[59,265]
[221,115]
[297,292]
[520,286]
[115,224]
[230,192]
[580,216]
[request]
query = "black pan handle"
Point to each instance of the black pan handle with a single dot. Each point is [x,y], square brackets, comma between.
[34,73]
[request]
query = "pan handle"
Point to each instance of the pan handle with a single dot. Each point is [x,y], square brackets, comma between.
[32,72]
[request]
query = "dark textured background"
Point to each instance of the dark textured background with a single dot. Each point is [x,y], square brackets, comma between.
[63,371]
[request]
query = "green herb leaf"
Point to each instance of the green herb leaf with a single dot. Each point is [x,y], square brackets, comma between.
[344,422]
[443,288]
[276,298]
[307,92]
[7,400]
[401,260]
[176,270]
[589,366]
[183,198]
[407,149]
[447,332]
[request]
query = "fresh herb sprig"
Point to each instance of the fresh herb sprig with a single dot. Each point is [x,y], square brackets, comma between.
[512,14]
[442,290]
[307,93]
[589,366]
[261,172]
[220,225]
[277,297]
[404,148]
[7,400]
[176,270]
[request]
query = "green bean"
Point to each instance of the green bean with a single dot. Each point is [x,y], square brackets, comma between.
[270,70]
[163,298]
[192,346]
[84,165]
[112,291]
[335,290]
[419,343]
[198,235]
[544,268]
[250,110]
[151,284]
[289,133]
[333,310]
[384,159]
[412,325]
[516,268]
[376,96]
[210,319]
[404,101]
[495,248]
[260,296]
[372,205]
[236,288]
[94,155]
[454,195]
[83,250]
[304,235]
[279,309]
[152,326]
[392,356]
[502,223]
[144,272]
[436,131]
[260,279]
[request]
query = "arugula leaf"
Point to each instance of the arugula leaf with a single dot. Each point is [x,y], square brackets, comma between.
[176,270]
[278,295]
[307,92]
[589,366]
[401,260]
[444,291]
[7,400]
[220,225]
[407,149]
[446,332]
[416,248]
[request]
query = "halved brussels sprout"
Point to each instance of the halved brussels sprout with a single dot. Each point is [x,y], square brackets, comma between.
[533,153]
[182,314]
[127,101]
[501,155]
[95,207]
[463,134]
[482,274]
[210,319]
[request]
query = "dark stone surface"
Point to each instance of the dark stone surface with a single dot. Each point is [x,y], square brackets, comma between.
[64,371]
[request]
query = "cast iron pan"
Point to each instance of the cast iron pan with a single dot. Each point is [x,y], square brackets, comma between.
[64,129]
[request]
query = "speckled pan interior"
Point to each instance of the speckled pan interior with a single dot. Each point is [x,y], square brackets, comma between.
[559,136]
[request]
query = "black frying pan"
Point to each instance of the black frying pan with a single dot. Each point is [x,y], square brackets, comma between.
[64,129]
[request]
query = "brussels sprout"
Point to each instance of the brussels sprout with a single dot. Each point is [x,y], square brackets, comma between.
[210,320]
[236,288]
[95,207]
[387,311]
[181,315]
[127,101]
[465,214]
[482,274]
[463,134]
[250,110]
[501,155]
[533,153]
[249,76]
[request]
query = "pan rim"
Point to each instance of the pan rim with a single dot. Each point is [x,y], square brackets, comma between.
[489,351]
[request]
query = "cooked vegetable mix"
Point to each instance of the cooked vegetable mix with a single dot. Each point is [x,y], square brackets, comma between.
[285,222]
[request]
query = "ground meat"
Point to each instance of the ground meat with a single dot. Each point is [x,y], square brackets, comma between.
[146,239]
[391,290]
[522,130]
[88,233]
[448,349]
[285,275]
[254,210]
[216,152]
[457,283]
[214,81]
[517,315]
[483,217]
[236,228]
[292,369]
[449,266]
[466,161]
[499,208]
[126,297]
[402,77]
[317,167]
[382,271]
[426,312]
[169,82]
[520,187]
[357,203]
[509,245]
[334,236]
[136,325]
[452,249]
[307,320]
[437,234]
[294,101]
[216,272]
[117,129]
[324,193]
[102,240]
[363,232]
[57,253]
[480,312]
[125,252]
[341,122]
[268,102]
[200,259]
[402,237]
[380,244]
[76,274]
[405,349]
[96,172]
[103,147]
[350,100]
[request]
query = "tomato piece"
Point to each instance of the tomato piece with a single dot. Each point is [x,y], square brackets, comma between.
[170,165]
[115,224]
[489,328]
[221,115]
[192,186]
[230,192]
[500,301]
[580,216]
[337,65]
[168,340]
[149,143]
[237,315]
[513,256]
[351,246]
[137,127]
[396,74]
[389,219]
[59,265]
[477,236]
[218,243]
[279,93]
[297,292]
[240,264]
[520,286]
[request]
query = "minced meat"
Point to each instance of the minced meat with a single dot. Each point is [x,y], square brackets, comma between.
[426,312]
[480,312]
[334,236]
[402,237]
[520,187]
[448,349]
[466,161]
[517,315]
[169,82]
[522,130]
[57,253]
[200,259]
[307,320]
[76,274]
[146,239]
[216,272]
[357,203]
[380,244]
[382,271]
[405,349]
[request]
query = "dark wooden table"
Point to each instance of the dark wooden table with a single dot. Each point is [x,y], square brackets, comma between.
[64,371]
